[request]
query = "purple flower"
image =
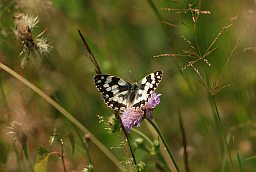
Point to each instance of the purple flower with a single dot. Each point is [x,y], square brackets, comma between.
[153,101]
[132,117]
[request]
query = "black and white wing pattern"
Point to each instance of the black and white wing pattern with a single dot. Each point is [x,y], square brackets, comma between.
[113,89]
[145,87]
[119,93]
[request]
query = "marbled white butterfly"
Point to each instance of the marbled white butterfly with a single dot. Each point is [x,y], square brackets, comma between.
[118,93]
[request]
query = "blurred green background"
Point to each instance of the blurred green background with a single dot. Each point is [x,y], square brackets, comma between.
[124,37]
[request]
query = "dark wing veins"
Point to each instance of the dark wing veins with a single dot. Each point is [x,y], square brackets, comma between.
[114,90]
[145,87]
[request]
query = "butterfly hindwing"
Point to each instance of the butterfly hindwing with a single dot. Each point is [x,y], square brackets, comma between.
[113,89]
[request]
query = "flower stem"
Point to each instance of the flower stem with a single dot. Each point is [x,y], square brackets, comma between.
[165,143]
[159,153]
[220,127]
[25,151]
[84,145]
[62,157]
[126,136]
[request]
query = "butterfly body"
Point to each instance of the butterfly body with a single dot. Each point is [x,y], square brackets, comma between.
[118,93]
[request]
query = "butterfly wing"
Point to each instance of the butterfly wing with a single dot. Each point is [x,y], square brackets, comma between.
[115,91]
[145,87]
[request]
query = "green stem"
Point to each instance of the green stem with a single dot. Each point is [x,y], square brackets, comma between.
[144,136]
[84,145]
[25,151]
[165,143]
[126,136]
[239,162]
[159,153]
[221,128]
[65,113]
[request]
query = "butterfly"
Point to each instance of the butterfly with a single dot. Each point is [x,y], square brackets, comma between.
[118,93]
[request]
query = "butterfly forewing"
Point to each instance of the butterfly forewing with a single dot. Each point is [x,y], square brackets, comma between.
[114,90]
[118,93]
[145,87]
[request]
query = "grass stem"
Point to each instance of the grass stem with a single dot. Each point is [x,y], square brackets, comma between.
[165,144]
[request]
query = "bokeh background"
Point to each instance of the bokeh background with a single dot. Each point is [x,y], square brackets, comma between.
[125,36]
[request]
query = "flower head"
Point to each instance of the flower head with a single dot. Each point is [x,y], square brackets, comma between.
[132,117]
[153,101]
[24,25]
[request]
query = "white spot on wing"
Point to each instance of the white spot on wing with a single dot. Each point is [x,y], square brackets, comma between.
[105,85]
[108,89]
[114,87]
[122,82]
[144,80]
[124,92]
[140,91]
[109,79]
[115,91]
[124,101]
[115,98]
[152,76]
[120,100]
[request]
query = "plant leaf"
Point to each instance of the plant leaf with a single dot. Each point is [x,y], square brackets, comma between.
[41,163]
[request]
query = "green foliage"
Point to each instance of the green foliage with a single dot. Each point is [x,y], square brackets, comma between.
[41,163]
[140,166]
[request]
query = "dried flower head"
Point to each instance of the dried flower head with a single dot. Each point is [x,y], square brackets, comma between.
[24,25]
[133,117]
[17,133]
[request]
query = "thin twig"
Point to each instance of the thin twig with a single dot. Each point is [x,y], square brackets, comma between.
[180,10]
[62,156]
[90,54]
[168,23]
[184,141]
[216,38]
